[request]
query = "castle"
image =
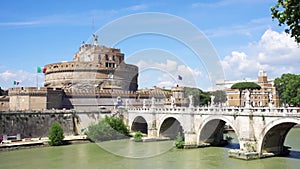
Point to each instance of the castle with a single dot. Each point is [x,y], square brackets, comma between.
[97,79]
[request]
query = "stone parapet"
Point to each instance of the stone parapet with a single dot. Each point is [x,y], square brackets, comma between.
[31,91]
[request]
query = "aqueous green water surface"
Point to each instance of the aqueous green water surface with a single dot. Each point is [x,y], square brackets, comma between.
[152,155]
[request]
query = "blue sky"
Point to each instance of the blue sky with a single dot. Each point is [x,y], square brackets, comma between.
[35,33]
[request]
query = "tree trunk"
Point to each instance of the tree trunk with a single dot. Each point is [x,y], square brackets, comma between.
[240,98]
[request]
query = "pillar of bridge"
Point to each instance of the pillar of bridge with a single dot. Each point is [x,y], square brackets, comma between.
[152,132]
[190,139]
[246,132]
[190,135]
[152,125]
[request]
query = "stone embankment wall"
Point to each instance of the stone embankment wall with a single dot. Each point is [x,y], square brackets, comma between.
[36,124]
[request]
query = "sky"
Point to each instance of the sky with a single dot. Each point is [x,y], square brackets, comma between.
[241,32]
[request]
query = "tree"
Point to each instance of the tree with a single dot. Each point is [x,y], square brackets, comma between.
[56,134]
[200,97]
[287,12]
[220,96]
[138,136]
[117,124]
[288,87]
[108,129]
[245,85]
[179,142]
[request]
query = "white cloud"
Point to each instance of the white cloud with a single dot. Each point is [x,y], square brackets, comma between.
[25,78]
[278,48]
[21,23]
[136,7]
[169,72]
[245,29]
[275,52]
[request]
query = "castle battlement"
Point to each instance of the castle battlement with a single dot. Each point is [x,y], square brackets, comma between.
[31,91]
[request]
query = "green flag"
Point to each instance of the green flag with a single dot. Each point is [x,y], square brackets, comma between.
[39,69]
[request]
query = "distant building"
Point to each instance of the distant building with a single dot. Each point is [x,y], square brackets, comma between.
[266,96]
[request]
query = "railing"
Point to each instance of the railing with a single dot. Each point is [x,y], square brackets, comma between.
[276,111]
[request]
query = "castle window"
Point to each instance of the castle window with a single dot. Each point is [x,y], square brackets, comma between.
[110,65]
[55,66]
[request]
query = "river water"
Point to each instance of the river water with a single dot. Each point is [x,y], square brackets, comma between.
[151,155]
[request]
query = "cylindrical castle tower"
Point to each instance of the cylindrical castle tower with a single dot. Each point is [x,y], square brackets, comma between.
[93,67]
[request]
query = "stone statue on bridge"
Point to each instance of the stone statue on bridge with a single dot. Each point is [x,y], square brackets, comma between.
[152,102]
[270,100]
[126,103]
[212,100]
[144,103]
[191,101]
[172,101]
[247,99]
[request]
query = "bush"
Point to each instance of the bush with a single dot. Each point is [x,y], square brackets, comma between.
[108,129]
[117,124]
[179,142]
[138,136]
[56,134]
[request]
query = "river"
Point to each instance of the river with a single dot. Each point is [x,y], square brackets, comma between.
[150,155]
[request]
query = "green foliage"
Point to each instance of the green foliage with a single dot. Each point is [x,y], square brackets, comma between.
[246,85]
[287,12]
[179,142]
[56,134]
[108,129]
[138,136]
[288,87]
[200,97]
[118,125]
[220,96]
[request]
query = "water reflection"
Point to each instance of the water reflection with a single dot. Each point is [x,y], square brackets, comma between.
[131,149]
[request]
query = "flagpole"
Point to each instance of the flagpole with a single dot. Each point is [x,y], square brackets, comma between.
[37,80]
[37,77]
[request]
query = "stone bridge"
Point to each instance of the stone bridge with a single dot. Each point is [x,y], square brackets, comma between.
[260,131]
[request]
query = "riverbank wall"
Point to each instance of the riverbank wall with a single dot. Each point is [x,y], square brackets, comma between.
[35,123]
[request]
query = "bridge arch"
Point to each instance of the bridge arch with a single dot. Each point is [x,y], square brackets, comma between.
[139,124]
[211,130]
[273,136]
[170,127]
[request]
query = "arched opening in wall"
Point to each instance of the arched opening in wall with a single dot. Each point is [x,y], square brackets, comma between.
[274,140]
[139,124]
[170,128]
[217,132]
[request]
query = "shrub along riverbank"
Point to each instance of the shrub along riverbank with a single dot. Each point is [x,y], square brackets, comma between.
[109,128]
